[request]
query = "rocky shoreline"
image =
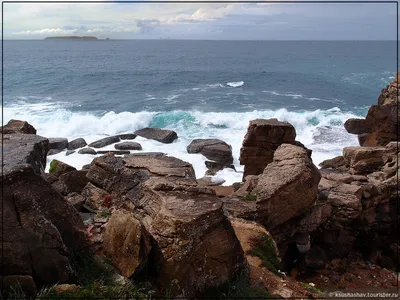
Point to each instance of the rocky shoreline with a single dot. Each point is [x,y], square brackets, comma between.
[288,230]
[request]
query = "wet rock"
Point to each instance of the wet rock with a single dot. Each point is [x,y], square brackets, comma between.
[69,152]
[160,135]
[116,152]
[87,151]
[128,146]
[213,167]
[214,149]
[105,142]
[57,145]
[127,136]
[210,181]
[263,137]
[76,144]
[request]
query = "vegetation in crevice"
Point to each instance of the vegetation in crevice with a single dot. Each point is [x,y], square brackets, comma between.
[264,248]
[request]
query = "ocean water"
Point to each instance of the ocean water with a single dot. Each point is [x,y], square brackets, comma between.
[200,89]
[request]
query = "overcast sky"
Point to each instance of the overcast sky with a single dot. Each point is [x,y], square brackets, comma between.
[254,21]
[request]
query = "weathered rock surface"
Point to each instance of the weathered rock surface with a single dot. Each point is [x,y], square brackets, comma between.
[380,126]
[95,197]
[160,135]
[72,181]
[57,145]
[287,187]
[214,149]
[87,151]
[126,243]
[17,126]
[213,167]
[128,146]
[127,136]
[57,168]
[41,226]
[116,152]
[363,160]
[104,142]
[263,137]
[76,143]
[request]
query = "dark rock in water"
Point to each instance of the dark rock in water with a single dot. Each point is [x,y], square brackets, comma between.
[128,146]
[77,143]
[58,168]
[23,149]
[208,181]
[87,151]
[53,152]
[69,152]
[160,135]
[17,126]
[152,154]
[213,167]
[213,149]
[357,126]
[116,152]
[127,136]
[58,144]
[73,181]
[105,142]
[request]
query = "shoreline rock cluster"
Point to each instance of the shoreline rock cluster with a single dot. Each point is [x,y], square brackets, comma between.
[287,223]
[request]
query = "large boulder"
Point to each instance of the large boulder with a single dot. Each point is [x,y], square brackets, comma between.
[42,227]
[263,137]
[380,126]
[287,187]
[105,142]
[126,243]
[160,135]
[364,160]
[76,143]
[214,149]
[57,145]
[17,126]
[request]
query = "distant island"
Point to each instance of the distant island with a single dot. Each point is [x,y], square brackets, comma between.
[71,38]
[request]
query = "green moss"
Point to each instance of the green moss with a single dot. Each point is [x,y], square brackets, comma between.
[53,166]
[104,214]
[250,197]
[264,248]
[313,289]
[240,288]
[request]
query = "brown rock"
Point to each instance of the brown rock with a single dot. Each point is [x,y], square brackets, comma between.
[57,168]
[160,135]
[357,126]
[17,126]
[73,181]
[128,146]
[214,149]
[287,187]
[334,163]
[263,137]
[62,288]
[223,191]
[76,200]
[126,243]
[94,196]
[104,142]
[364,160]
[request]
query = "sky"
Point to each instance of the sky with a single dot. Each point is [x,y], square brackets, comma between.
[215,21]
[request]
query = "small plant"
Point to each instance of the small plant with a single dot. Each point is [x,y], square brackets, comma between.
[311,288]
[53,166]
[264,248]
[250,197]
[104,214]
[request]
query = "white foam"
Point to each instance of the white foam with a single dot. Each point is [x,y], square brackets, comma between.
[320,130]
[235,84]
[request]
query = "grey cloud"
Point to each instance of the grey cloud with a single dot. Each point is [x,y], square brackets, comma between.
[147,26]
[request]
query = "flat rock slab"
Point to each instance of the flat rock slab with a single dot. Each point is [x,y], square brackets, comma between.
[87,151]
[127,136]
[76,143]
[128,146]
[213,149]
[116,152]
[160,135]
[105,142]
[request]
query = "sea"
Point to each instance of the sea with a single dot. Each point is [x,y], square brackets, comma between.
[200,89]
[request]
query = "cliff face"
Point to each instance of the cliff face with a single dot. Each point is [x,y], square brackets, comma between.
[380,125]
